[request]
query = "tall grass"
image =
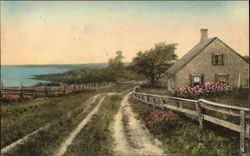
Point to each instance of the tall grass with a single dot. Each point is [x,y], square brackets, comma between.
[47,142]
[19,119]
[96,138]
[184,137]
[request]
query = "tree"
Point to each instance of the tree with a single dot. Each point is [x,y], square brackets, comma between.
[115,64]
[154,62]
[246,58]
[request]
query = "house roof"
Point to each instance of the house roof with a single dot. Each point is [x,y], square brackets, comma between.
[190,55]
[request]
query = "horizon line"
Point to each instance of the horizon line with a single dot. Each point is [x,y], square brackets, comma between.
[53,64]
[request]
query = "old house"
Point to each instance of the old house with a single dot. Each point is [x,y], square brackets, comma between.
[210,60]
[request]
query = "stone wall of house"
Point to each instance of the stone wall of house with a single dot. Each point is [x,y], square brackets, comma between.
[202,63]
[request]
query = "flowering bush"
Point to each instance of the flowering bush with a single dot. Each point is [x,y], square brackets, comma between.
[10,97]
[157,115]
[203,90]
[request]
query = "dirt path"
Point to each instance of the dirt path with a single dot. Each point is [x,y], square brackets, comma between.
[63,147]
[131,138]
[46,126]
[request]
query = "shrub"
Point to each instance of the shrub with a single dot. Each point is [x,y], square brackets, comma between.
[10,98]
[209,88]
[157,115]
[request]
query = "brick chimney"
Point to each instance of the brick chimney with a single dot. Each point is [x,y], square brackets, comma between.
[204,35]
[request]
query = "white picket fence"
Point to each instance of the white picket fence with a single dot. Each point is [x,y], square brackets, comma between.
[53,90]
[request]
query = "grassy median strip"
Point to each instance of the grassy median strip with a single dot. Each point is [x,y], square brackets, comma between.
[96,138]
[184,137]
[19,119]
[47,142]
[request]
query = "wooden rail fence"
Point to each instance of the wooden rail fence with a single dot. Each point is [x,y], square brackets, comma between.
[163,102]
[41,91]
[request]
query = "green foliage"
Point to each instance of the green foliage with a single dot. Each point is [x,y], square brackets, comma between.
[152,63]
[184,137]
[47,142]
[128,75]
[246,58]
[114,71]
[19,119]
[238,97]
[96,138]
[115,64]
[81,76]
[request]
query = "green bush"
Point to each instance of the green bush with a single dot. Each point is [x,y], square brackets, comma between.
[184,137]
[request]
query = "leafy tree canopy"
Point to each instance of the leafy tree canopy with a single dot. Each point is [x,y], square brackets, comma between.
[115,64]
[247,58]
[152,63]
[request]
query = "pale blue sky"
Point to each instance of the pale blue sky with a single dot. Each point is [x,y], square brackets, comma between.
[86,32]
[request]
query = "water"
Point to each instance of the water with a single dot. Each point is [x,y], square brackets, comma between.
[14,75]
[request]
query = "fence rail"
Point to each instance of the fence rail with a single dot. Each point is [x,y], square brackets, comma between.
[52,90]
[197,109]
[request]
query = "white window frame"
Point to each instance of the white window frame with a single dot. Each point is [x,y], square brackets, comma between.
[193,82]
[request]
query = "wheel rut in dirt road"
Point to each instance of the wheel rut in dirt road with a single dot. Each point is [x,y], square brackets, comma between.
[68,141]
[131,138]
[25,139]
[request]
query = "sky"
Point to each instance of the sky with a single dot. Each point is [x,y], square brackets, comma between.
[66,32]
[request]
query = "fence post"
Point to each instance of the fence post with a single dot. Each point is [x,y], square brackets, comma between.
[56,88]
[73,88]
[36,92]
[2,89]
[148,100]
[64,89]
[21,93]
[179,103]
[242,132]
[81,87]
[140,97]
[145,99]
[134,95]
[152,100]
[161,103]
[46,91]
[200,118]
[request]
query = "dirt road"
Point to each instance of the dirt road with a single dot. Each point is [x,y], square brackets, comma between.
[131,138]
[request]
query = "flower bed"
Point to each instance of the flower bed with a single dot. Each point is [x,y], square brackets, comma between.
[10,98]
[157,115]
[209,88]
[14,98]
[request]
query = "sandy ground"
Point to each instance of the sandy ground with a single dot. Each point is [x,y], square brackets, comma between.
[131,138]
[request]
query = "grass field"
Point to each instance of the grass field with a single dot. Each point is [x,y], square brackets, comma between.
[47,142]
[19,119]
[96,137]
[184,137]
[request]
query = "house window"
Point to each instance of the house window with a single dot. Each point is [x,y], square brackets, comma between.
[196,79]
[217,59]
[222,78]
